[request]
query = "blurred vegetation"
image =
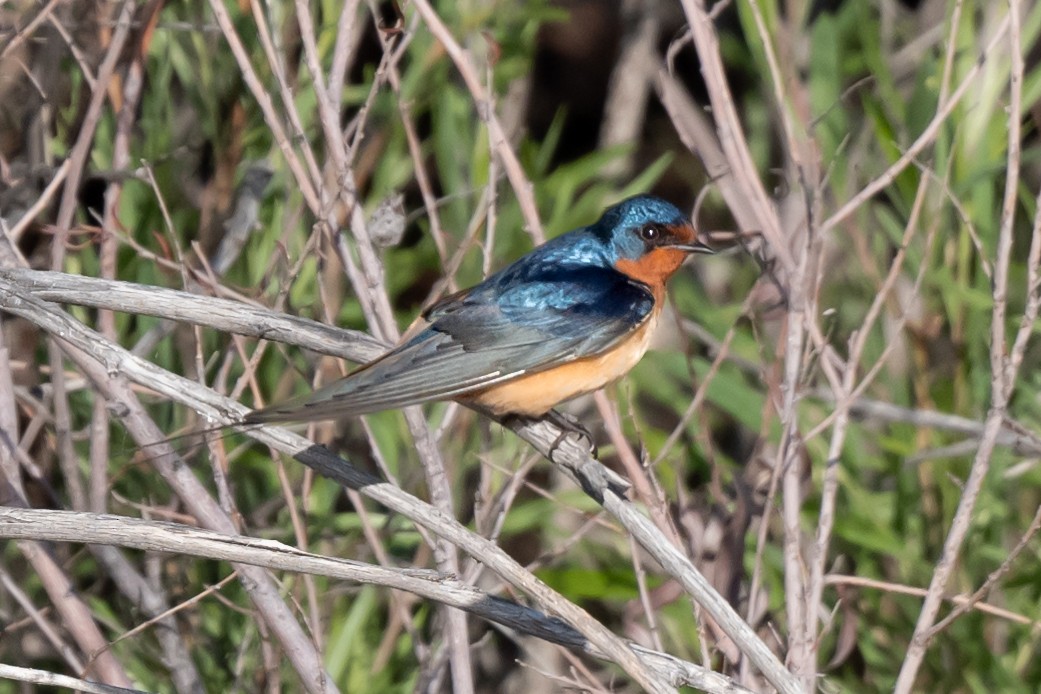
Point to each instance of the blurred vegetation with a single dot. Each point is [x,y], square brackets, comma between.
[872,76]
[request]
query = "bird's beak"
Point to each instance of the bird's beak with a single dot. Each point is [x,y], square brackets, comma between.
[694,247]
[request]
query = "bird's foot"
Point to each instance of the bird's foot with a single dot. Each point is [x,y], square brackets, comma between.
[570,425]
[565,423]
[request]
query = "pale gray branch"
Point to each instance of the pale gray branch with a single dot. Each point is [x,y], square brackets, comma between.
[51,679]
[158,536]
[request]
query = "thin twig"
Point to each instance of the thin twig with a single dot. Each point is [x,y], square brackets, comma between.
[51,679]
[522,187]
[1002,371]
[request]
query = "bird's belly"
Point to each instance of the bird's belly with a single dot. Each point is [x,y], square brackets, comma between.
[535,394]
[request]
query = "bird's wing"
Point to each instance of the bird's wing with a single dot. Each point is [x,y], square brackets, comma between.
[487,336]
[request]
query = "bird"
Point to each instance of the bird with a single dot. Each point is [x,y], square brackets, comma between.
[568,318]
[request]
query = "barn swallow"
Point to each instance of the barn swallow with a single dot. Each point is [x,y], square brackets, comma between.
[566,319]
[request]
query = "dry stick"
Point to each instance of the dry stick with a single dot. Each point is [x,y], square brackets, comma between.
[249,76]
[992,580]
[721,160]
[852,401]
[698,586]
[489,208]
[645,492]
[328,110]
[722,354]
[570,457]
[490,202]
[41,203]
[855,395]
[285,93]
[499,506]
[372,291]
[481,215]
[945,86]
[261,588]
[798,145]
[78,618]
[1030,313]
[210,590]
[958,600]
[928,136]
[42,677]
[49,631]
[369,285]
[223,314]
[153,603]
[78,55]
[446,555]
[349,31]
[1002,375]
[399,609]
[729,131]
[160,536]
[274,123]
[796,270]
[259,585]
[841,414]
[23,33]
[695,131]
[80,151]
[804,157]
[74,614]
[99,435]
[356,127]
[652,499]
[1016,437]
[78,157]
[142,593]
[522,187]
[786,464]
[419,169]
[492,510]
[645,596]
[631,77]
[755,605]
[801,311]
[288,101]
[923,140]
[73,611]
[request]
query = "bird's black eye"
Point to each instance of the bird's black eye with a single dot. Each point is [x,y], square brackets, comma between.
[650,232]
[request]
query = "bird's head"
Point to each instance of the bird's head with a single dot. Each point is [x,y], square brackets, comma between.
[648,238]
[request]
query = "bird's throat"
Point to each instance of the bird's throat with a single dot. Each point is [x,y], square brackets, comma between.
[653,269]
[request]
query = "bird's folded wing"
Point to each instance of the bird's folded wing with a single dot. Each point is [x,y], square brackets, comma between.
[486,337]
